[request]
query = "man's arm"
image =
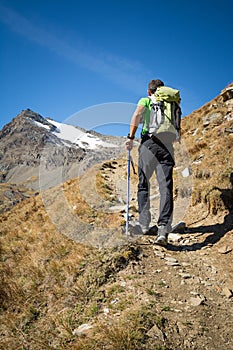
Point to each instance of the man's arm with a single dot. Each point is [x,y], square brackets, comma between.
[135,120]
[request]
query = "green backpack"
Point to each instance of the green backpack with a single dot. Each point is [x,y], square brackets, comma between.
[165,115]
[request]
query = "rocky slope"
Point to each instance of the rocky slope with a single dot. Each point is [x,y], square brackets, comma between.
[71,280]
[208,134]
[22,144]
[57,293]
[39,153]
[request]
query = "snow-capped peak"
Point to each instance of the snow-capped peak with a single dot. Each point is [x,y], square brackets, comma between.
[75,135]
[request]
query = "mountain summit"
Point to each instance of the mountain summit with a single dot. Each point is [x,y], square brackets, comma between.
[29,137]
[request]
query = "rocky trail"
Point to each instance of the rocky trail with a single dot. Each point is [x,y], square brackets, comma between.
[190,281]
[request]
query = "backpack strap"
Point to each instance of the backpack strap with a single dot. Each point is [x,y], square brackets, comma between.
[156,114]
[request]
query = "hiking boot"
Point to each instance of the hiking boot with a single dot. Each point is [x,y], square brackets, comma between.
[162,235]
[138,229]
[144,229]
[180,227]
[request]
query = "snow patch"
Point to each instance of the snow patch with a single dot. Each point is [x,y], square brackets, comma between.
[77,136]
[41,125]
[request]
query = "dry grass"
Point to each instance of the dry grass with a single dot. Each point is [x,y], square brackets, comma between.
[210,149]
[128,332]
[50,285]
[37,267]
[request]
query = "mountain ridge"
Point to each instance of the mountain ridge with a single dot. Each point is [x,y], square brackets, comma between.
[29,136]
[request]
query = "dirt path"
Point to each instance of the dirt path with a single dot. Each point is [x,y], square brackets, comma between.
[190,280]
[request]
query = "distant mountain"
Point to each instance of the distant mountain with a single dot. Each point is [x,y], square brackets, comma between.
[29,138]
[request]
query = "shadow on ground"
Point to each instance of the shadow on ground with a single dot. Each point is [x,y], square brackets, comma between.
[217,231]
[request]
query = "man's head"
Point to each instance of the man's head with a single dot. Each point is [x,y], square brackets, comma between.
[153,85]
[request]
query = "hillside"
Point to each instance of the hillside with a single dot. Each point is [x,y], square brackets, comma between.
[208,134]
[71,280]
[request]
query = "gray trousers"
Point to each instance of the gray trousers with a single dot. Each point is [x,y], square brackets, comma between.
[155,156]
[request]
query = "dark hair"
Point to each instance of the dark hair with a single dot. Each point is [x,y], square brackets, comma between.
[154,84]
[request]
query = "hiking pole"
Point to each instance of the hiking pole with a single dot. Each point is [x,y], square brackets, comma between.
[128,195]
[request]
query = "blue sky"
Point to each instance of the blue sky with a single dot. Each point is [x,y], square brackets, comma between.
[65,58]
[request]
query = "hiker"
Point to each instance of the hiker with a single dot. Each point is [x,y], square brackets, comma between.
[156,154]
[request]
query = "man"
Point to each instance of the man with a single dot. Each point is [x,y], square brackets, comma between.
[156,154]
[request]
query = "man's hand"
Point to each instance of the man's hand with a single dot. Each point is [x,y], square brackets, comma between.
[129,145]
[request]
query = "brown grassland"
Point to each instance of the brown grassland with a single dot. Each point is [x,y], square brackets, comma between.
[51,284]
